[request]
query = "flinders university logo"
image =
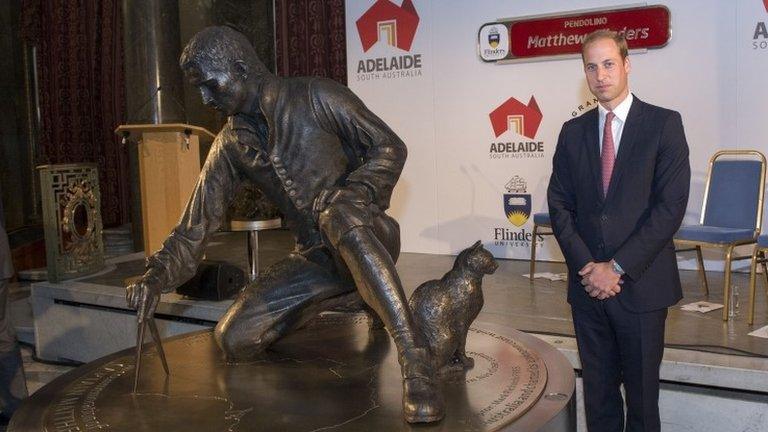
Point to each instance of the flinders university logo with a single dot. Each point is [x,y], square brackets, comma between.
[387,23]
[517,208]
[493,37]
[519,119]
[494,42]
[517,203]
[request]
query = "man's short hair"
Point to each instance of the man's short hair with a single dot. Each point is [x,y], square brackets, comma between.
[219,47]
[617,37]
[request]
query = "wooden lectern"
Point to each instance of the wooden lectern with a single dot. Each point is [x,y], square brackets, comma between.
[169,165]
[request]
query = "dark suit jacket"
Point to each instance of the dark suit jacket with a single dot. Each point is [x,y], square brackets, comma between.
[644,206]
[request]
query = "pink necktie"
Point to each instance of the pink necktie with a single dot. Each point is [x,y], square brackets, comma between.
[608,156]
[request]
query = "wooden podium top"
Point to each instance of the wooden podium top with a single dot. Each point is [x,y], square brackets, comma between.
[165,127]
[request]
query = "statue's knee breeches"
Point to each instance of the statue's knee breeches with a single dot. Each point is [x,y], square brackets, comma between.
[246,329]
[232,344]
[284,296]
[342,217]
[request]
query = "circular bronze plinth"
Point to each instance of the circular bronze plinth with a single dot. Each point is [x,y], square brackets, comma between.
[331,375]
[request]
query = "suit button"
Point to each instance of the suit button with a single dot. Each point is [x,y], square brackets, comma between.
[276,159]
[288,182]
[603,218]
[282,171]
[292,192]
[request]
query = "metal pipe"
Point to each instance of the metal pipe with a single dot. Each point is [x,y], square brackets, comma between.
[32,102]
[152,75]
[253,255]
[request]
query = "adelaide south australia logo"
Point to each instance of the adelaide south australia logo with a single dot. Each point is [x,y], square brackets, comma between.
[514,120]
[760,35]
[517,208]
[388,28]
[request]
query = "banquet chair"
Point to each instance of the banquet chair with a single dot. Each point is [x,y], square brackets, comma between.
[732,211]
[759,256]
[540,221]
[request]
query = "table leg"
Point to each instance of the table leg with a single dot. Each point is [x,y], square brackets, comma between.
[253,254]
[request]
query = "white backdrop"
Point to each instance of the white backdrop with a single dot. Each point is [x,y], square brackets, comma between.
[452,189]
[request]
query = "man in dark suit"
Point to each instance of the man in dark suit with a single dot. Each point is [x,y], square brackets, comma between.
[617,195]
[13,387]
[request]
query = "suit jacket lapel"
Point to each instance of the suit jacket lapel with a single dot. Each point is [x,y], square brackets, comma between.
[591,138]
[628,139]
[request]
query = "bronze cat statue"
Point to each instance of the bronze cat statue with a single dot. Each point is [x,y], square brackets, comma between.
[444,309]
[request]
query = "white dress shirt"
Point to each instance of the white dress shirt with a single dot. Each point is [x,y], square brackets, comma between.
[617,125]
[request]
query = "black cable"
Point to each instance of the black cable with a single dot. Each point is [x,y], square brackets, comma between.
[67,363]
[131,116]
[713,349]
[705,348]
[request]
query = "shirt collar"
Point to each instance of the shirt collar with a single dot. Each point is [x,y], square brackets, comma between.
[621,111]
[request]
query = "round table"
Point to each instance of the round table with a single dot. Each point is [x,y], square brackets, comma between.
[252,227]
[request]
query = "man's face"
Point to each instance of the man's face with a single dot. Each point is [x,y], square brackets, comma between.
[222,90]
[606,72]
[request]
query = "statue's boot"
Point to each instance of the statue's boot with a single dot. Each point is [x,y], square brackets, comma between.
[422,399]
[375,276]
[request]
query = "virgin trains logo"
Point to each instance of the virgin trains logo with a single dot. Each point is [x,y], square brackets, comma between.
[385,20]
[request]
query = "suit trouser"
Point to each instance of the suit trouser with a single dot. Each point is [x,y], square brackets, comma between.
[619,346]
[13,387]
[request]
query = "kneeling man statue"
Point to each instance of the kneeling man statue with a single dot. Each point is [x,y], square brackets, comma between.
[329,164]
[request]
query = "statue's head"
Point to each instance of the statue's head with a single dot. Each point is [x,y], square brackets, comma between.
[222,63]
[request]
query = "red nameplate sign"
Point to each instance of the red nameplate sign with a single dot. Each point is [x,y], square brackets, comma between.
[558,35]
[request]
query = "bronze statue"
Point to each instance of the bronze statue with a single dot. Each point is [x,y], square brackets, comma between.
[444,309]
[329,164]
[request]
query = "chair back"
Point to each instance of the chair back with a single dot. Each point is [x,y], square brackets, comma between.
[734,191]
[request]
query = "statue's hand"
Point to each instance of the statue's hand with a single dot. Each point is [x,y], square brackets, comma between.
[353,192]
[144,297]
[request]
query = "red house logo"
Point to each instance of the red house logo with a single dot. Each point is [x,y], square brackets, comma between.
[765,3]
[513,114]
[385,20]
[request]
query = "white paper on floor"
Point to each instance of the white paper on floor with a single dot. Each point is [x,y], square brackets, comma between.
[762,332]
[548,275]
[701,306]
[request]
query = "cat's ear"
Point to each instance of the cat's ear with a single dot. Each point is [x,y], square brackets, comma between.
[478,244]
